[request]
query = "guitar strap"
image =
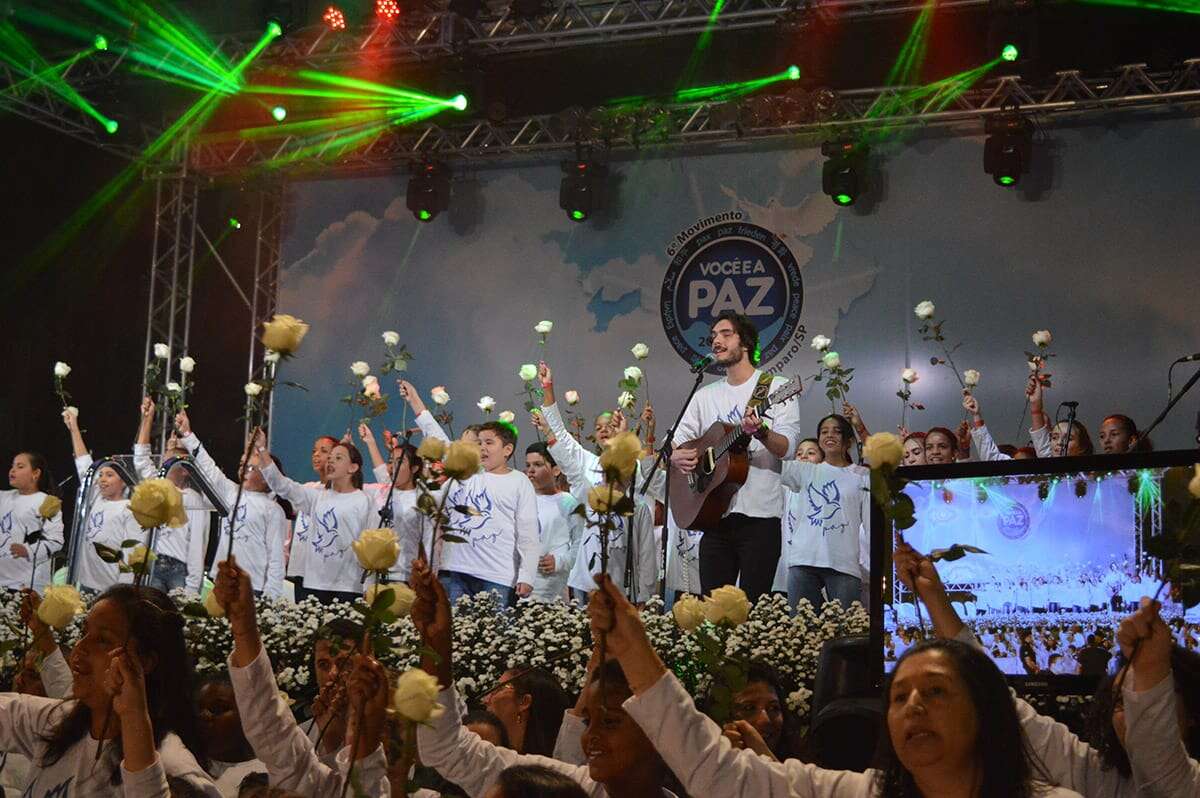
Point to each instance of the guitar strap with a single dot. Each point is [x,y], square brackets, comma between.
[760,391]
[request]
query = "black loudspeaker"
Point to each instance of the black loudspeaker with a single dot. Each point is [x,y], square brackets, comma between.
[847,716]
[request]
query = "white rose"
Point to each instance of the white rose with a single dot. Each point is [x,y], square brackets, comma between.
[162,351]
[187,364]
[909,376]
[438,395]
[71,410]
[212,606]
[831,360]
[688,612]
[571,397]
[61,369]
[370,380]
[486,403]
[633,373]
[821,343]
[391,338]
[359,368]
[173,387]
[925,310]
[403,598]
[507,416]
[727,605]
[1042,338]
[970,378]
[59,606]
[253,389]
[543,327]
[271,356]
[528,372]
[416,695]
[626,400]
[640,351]
[1034,365]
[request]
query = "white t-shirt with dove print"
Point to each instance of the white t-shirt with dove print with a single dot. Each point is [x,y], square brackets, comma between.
[825,509]
[500,529]
[337,519]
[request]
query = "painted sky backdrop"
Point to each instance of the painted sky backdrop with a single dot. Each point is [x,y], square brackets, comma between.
[1098,245]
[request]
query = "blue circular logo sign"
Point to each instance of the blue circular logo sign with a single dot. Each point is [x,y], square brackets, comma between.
[1013,521]
[732,265]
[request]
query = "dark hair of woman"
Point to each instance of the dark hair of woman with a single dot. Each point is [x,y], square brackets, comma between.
[157,625]
[45,483]
[792,743]
[482,716]
[1185,668]
[844,427]
[548,702]
[356,479]
[537,781]
[1007,766]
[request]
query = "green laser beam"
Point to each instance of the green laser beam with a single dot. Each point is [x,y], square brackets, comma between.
[20,53]
[702,44]
[367,86]
[1171,6]
[714,93]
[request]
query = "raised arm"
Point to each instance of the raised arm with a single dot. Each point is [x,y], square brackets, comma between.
[797,474]
[852,415]
[302,498]
[83,458]
[428,425]
[985,446]
[368,439]
[141,447]
[574,460]
[208,467]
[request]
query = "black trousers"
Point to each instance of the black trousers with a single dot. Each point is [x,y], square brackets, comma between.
[742,547]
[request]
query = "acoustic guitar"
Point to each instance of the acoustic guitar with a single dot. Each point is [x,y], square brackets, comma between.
[700,499]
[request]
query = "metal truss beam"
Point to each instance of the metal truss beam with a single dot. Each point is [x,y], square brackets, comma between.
[169,313]
[565,23]
[265,291]
[820,114]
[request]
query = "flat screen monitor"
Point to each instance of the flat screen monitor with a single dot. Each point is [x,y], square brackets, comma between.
[1064,559]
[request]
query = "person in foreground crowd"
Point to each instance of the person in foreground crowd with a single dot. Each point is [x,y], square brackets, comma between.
[231,755]
[1143,751]
[745,548]
[530,704]
[952,730]
[272,731]
[130,698]
[260,529]
[621,762]
[761,720]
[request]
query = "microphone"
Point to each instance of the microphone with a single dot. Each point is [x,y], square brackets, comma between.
[703,363]
[1188,358]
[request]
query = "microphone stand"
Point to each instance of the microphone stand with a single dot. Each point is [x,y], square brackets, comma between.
[664,460]
[1066,447]
[1171,404]
[385,512]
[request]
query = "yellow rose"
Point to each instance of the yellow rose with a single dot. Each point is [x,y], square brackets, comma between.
[51,506]
[156,502]
[283,333]
[688,612]
[620,457]
[461,461]
[727,605]
[139,557]
[603,499]
[213,607]
[1194,485]
[403,598]
[415,697]
[432,449]
[59,606]
[883,449]
[377,549]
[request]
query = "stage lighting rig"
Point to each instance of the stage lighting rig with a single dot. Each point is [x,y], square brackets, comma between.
[580,191]
[428,190]
[1009,146]
[387,10]
[844,176]
[334,18]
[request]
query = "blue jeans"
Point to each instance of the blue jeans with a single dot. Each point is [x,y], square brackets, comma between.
[168,574]
[459,584]
[806,581]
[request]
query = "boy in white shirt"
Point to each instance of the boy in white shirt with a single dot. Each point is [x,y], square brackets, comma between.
[747,543]
[559,528]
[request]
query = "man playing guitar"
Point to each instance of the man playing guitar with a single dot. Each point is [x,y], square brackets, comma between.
[748,540]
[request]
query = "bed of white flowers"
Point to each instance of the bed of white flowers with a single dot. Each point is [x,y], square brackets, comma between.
[490,639]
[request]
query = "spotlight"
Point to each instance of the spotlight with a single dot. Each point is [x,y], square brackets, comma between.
[459,102]
[1009,146]
[274,28]
[279,112]
[843,178]
[578,194]
[428,190]
[100,43]
[1010,52]
[111,126]
[334,19]
[387,10]
[1012,30]
[234,223]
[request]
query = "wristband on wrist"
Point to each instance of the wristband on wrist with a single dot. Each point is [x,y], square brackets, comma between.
[762,432]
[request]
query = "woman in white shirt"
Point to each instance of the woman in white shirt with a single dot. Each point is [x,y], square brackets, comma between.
[949,719]
[260,529]
[298,543]
[339,510]
[131,698]
[108,523]
[22,561]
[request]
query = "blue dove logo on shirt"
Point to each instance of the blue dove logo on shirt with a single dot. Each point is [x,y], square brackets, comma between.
[6,528]
[239,532]
[303,525]
[61,791]
[325,535]
[469,524]
[687,543]
[734,416]
[789,522]
[95,524]
[825,504]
